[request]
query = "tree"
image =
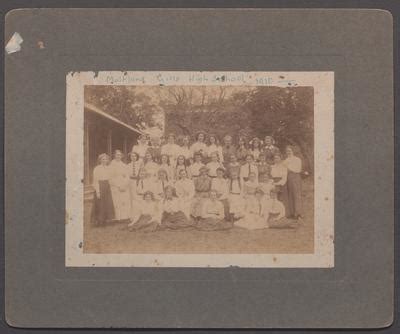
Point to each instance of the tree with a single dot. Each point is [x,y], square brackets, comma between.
[123,102]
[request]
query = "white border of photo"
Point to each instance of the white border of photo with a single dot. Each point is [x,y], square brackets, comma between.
[323,83]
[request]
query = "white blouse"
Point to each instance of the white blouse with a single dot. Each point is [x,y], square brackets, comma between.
[172,150]
[119,173]
[195,169]
[221,186]
[212,168]
[186,152]
[198,146]
[279,170]
[140,150]
[185,188]
[293,164]
[100,173]
[214,148]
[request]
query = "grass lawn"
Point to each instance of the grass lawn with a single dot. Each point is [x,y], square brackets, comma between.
[115,238]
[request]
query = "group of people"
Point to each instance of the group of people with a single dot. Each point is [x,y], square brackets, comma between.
[202,185]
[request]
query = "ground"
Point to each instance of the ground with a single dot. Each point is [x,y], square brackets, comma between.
[115,238]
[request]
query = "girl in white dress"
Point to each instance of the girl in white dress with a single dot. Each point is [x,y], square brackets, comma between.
[199,146]
[134,167]
[166,166]
[171,149]
[160,185]
[185,191]
[255,148]
[247,168]
[213,165]
[221,186]
[150,166]
[120,182]
[148,216]
[194,168]
[256,213]
[141,147]
[180,165]
[185,150]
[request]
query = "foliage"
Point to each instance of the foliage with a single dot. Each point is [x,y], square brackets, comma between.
[126,104]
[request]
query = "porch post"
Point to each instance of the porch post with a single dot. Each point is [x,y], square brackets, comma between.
[86,152]
[109,143]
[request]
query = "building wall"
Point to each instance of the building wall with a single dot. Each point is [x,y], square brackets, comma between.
[102,135]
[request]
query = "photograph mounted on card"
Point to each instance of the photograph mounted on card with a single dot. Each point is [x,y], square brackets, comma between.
[200,169]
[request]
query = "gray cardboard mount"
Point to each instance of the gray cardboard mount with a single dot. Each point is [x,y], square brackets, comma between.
[355,44]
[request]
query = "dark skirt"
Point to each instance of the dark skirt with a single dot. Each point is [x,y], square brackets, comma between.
[213,224]
[175,220]
[144,223]
[293,196]
[103,206]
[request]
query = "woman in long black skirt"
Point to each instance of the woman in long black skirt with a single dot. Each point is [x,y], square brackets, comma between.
[293,185]
[103,206]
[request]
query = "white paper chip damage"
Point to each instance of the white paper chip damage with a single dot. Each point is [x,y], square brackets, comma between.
[14,44]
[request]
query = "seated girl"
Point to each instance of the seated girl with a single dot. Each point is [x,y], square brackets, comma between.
[185,192]
[202,186]
[161,183]
[256,212]
[213,165]
[172,215]
[212,216]
[147,216]
[250,186]
[266,184]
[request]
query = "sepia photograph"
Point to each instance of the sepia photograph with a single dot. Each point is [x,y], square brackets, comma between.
[217,164]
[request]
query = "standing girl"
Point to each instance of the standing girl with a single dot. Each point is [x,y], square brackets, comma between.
[213,165]
[247,168]
[180,165]
[199,146]
[202,186]
[166,166]
[194,168]
[150,166]
[235,198]
[214,147]
[294,201]
[270,149]
[255,148]
[185,192]
[241,151]
[120,182]
[185,150]
[103,208]
[134,167]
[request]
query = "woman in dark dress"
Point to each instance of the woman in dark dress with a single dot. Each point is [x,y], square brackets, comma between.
[293,184]
[103,206]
